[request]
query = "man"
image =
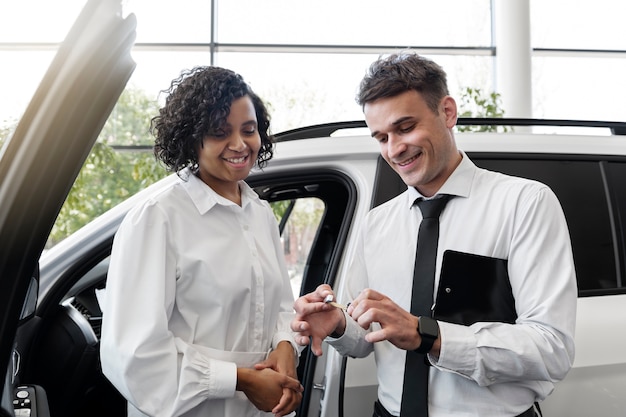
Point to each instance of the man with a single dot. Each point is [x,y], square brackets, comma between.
[494,363]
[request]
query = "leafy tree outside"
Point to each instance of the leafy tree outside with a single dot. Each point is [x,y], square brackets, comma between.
[111,174]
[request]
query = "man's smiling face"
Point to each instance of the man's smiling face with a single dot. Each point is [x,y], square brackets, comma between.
[415,141]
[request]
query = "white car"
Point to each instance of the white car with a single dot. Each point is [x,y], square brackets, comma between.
[327,177]
[345,176]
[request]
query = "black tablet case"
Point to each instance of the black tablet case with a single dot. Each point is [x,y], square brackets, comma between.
[474,288]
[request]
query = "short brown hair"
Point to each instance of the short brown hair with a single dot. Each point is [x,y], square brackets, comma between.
[400,72]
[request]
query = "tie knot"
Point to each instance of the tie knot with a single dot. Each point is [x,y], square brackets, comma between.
[433,208]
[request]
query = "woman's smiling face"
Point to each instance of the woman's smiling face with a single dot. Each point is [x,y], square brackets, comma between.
[225,158]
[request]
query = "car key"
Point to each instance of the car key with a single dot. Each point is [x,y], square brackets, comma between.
[24,401]
[330,299]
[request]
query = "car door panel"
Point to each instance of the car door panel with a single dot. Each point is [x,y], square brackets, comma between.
[597,379]
[40,161]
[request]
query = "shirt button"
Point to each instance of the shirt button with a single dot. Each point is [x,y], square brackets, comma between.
[245,227]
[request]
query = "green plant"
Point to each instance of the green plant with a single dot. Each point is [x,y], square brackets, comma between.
[476,103]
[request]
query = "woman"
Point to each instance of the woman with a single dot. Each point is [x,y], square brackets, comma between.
[197,291]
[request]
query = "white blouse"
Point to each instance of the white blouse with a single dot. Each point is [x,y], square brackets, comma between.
[197,286]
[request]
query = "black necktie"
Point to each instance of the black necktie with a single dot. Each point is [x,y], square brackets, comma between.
[415,387]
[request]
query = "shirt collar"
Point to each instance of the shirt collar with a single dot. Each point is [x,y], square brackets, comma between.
[459,183]
[205,198]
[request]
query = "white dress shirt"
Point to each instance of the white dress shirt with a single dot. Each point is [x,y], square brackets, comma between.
[197,286]
[486,369]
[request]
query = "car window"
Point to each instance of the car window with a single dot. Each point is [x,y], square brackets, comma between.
[616,172]
[593,201]
[299,221]
[581,188]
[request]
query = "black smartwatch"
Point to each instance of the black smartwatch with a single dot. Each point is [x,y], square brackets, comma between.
[428,329]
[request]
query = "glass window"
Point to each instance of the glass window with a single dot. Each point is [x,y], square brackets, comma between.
[156,69]
[298,233]
[356,22]
[467,71]
[616,175]
[578,24]
[302,89]
[114,170]
[587,218]
[309,88]
[166,21]
[579,88]
[38,20]
[20,74]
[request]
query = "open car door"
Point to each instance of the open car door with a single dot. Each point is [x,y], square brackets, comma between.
[40,162]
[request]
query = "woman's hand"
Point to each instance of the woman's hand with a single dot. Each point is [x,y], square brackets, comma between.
[283,360]
[269,390]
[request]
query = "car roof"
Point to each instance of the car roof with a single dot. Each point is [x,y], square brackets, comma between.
[356,141]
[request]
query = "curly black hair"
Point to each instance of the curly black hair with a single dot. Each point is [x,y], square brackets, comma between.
[197,105]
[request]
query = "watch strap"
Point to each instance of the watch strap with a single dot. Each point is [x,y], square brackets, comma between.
[428,329]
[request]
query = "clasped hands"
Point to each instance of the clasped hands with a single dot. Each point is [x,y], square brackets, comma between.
[315,319]
[272,385]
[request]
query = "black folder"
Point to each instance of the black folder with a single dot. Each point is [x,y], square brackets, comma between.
[474,288]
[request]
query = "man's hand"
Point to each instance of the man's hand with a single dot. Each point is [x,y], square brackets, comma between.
[398,326]
[283,360]
[316,319]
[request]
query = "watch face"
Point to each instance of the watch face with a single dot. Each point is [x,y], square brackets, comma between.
[428,327]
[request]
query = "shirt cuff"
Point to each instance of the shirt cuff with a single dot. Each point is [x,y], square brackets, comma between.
[350,338]
[222,379]
[456,351]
